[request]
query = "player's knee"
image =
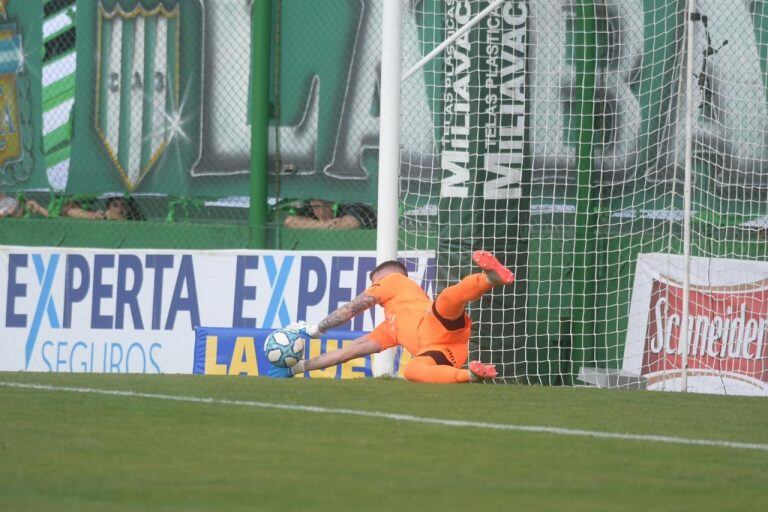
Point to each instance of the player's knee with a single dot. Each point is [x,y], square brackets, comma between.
[451,318]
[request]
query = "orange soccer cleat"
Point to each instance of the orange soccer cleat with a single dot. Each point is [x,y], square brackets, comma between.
[482,371]
[497,273]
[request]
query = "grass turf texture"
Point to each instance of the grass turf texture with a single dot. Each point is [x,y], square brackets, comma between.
[67,451]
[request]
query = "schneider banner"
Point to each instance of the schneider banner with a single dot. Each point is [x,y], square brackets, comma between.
[727,325]
[87,310]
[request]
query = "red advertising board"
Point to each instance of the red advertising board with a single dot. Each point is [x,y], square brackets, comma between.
[727,334]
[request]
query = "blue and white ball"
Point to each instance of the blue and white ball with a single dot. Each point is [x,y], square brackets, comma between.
[284,348]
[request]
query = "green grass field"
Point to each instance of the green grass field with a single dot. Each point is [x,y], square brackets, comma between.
[85,451]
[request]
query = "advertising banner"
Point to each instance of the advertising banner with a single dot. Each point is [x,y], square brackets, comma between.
[89,310]
[727,330]
[241,352]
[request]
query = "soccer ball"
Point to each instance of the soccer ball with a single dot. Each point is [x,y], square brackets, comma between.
[284,348]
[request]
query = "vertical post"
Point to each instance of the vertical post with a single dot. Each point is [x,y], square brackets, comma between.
[389,151]
[260,73]
[684,334]
[585,62]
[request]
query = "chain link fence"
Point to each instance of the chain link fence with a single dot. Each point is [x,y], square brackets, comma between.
[141,111]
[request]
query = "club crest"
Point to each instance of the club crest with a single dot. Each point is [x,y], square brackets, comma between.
[137,86]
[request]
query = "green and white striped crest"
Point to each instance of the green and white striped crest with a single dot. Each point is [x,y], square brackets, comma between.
[137,86]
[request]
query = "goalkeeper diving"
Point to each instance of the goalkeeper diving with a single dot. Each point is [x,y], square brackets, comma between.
[435,332]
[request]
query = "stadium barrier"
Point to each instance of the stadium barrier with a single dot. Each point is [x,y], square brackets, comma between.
[135,311]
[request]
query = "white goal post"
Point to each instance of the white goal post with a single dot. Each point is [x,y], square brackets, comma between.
[389,137]
[389,154]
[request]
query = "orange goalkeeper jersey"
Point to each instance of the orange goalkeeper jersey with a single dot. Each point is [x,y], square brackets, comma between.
[405,304]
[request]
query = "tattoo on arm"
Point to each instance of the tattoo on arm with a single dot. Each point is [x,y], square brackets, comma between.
[348,311]
[314,363]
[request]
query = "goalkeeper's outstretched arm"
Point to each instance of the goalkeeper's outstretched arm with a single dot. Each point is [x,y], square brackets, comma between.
[360,347]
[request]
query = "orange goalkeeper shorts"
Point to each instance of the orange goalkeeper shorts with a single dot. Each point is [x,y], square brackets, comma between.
[435,338]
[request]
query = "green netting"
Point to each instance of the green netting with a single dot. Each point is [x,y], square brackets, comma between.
[596,96]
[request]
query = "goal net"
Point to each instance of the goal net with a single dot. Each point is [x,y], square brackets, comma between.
[616,164]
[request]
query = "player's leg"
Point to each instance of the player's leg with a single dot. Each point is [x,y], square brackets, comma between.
[452,301]
[428,368]
[443,350]
[424,369]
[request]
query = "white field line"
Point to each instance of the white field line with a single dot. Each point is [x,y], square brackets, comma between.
[536,429]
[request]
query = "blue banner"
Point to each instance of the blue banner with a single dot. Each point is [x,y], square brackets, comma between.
[240,351]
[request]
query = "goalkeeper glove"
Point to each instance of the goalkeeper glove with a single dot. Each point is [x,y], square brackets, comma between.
[310,331]
[275,372]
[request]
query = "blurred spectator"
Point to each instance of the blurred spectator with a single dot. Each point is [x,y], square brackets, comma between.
[116,208]
[54,207]
[77,210]
[9,206]
[321,214]
[33,206]
[121,208]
